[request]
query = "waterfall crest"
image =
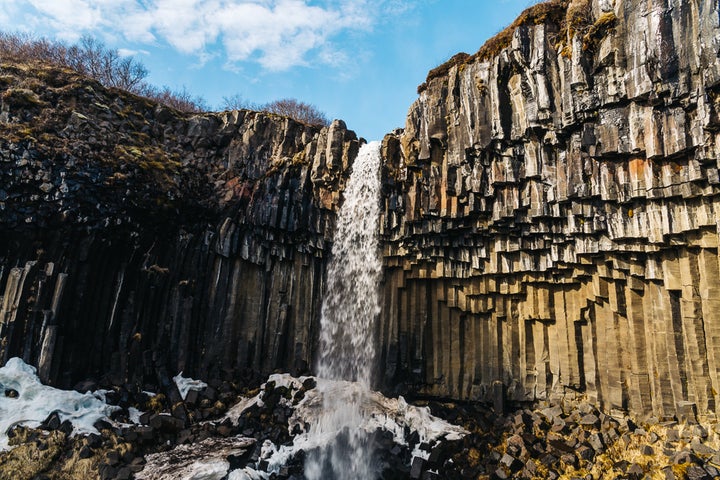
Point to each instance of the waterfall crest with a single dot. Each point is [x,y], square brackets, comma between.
[350,308]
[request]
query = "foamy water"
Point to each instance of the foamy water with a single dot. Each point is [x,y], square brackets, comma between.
[207,460]
[392,415]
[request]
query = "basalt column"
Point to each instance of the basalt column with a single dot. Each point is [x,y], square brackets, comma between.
[552,209]
[137,241]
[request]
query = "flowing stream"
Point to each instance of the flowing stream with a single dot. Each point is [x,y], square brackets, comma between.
[350,308]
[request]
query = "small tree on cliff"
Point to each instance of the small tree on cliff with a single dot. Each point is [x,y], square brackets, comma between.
[300,111]
[92,58]
[237,102]
[288,107]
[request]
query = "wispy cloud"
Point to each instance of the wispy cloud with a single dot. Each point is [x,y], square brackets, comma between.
[128,52]
[278,34]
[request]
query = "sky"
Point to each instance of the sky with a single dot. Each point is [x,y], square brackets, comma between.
[357,60]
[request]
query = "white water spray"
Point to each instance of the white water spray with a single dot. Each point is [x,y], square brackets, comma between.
[347,346]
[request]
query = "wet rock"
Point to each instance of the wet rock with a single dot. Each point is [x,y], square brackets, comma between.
[108,472]
[85,452]
[66,427]
[192,397]
[124,473]
[52,422]
[145,433]
[178,411]
[166,423]
[112,457]
[416,469]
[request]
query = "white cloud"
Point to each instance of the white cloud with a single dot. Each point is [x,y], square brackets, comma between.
[278,34]
[128,52]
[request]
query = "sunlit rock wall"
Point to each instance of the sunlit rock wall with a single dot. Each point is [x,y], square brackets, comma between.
[551,217]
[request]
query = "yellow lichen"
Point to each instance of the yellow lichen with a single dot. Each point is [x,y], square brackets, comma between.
[21,97]
[29,458]
[156,403]
[598,30]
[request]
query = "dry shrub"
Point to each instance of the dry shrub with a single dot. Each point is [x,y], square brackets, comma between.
[92,58]
[297,110]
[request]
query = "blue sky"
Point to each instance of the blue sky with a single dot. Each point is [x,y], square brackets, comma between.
[358,60]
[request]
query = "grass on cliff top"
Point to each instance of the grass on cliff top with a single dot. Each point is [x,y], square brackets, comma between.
[552,11]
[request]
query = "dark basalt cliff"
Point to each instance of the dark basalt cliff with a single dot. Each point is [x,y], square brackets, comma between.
[550,226]
[552,213]
[136,239]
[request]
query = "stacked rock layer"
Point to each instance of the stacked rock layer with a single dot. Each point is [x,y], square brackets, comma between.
[552,213]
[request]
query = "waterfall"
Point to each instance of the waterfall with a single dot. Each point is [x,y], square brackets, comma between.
[350,308]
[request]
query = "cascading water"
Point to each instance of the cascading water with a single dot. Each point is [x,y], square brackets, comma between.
[347,347]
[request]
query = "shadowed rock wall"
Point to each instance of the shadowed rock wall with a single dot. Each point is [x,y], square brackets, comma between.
[136,240]
[552,213]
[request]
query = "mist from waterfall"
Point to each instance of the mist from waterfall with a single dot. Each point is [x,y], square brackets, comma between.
[350,308]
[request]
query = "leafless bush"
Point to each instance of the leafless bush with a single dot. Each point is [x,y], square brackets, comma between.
[288,107]
[237,102]
[181,100]
[92,58]
[300,111]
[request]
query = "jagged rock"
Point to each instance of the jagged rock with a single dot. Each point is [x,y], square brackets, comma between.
[416,468]
[551,214]
[550,229]
[144,240]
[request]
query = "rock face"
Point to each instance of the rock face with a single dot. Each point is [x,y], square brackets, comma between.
[137,240]
[550,222]
[552,211]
